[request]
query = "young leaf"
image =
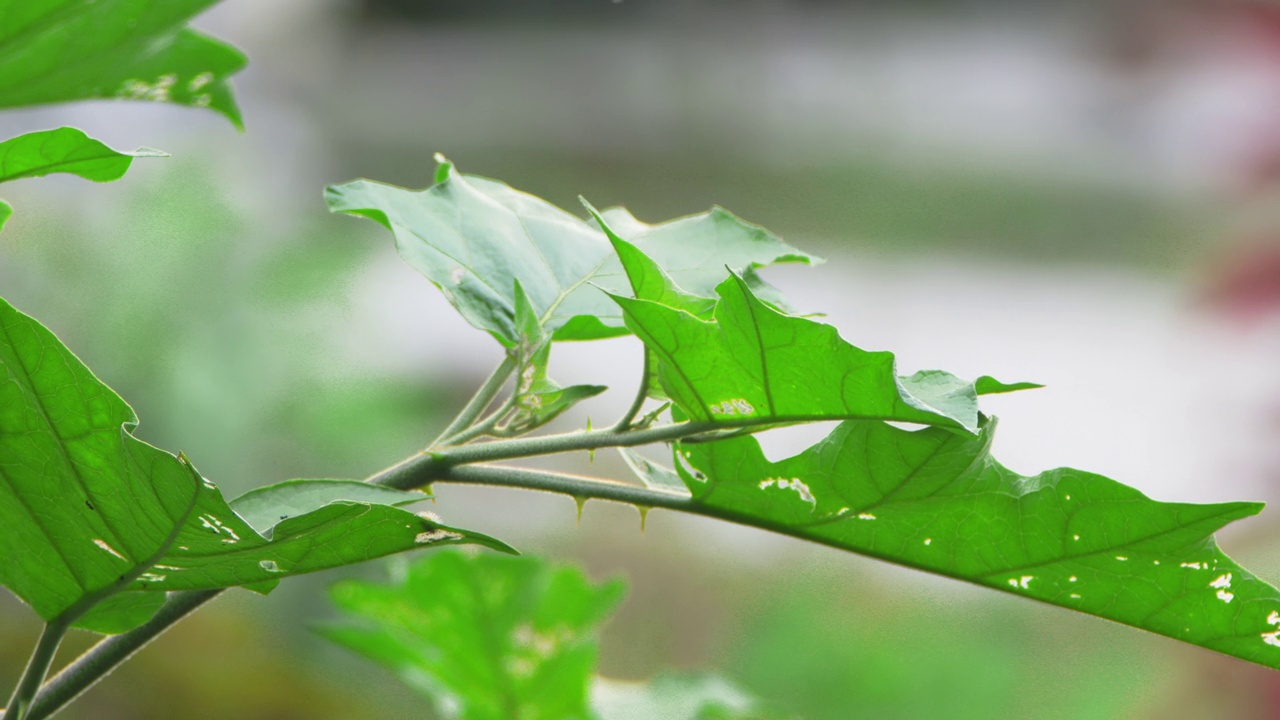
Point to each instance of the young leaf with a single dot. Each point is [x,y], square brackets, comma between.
[90,511]
[937,501]
[486,637]
[63,150]
[752,365]
[539,399]
[474,237]
[63,50]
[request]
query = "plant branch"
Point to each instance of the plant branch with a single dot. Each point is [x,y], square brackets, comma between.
[427,466]
[478,402]
[85,671]
[37,668]
[577,486]
[641,395]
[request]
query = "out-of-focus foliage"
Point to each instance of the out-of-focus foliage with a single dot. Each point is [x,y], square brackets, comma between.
[63,50]
[491,638]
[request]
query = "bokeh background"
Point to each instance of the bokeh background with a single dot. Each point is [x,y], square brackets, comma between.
[1084,194]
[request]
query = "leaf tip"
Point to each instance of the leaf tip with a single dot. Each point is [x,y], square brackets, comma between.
[444,168]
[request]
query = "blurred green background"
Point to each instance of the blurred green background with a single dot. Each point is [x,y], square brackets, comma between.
[1052,192]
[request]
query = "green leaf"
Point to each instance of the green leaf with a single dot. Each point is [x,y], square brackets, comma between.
[673,696]
[937,501]
[987,385]
[65,50]
[91,511]
[486,637]
[85,505]
[474,237]
[64,150]
[753,365]
[265,507]
[223,551]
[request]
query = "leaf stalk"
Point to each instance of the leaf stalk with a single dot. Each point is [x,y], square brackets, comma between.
[37,668]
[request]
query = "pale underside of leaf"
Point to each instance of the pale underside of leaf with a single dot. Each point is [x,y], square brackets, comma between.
[474,238]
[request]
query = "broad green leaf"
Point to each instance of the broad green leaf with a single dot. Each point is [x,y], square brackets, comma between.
[936,500]
[486,637]
[64,150]
[64,50]
[85,505]
[474,237]
[752,364]
[91,511]
[673,697]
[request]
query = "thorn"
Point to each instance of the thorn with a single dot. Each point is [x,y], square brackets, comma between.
[581,502]
[644,515]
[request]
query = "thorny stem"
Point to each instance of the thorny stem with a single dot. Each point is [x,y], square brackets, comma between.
[578,486]
[427,467]
[37,668]
[641,395]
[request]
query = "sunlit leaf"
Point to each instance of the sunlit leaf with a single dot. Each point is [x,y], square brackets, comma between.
[475,237]
[62,50]
[64,150]
[85,505]
[753,364]
[936,500]
[93,514]
[485,637]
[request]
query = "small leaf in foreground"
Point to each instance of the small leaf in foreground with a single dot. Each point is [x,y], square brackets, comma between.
[486,637]
[936,500]
[474,238]
[59,51]
[63,150]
